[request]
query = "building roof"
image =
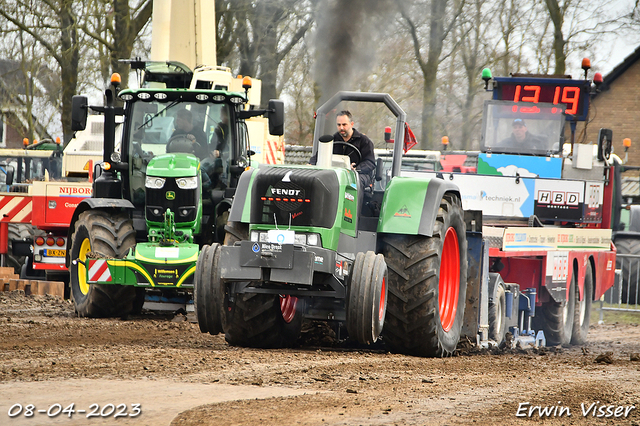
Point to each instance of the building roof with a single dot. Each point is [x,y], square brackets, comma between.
[619,70]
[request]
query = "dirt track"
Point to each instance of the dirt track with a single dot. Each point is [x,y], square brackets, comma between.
[183,377]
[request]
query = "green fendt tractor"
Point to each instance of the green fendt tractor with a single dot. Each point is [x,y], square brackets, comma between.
[310,242]
[165,187]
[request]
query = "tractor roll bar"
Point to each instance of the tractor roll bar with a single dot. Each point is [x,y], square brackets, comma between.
[384,98]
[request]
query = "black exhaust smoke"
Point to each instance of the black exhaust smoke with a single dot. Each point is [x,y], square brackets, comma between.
[345,42]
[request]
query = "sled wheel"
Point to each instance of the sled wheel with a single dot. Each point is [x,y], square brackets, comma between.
[427,285]
[556,319]
[367,298]
[111,235]
[497,313]
[582,312]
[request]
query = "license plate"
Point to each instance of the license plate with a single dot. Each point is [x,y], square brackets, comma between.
[266,255]
[55,253]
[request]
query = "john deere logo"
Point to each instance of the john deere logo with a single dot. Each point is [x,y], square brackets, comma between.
[170,195]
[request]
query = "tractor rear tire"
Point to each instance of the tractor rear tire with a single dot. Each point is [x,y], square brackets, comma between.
[111,235]
[235,231]
[427,285]
[497,317]
[207,294]
[582,311]
[367,298]
[556,319]
[629,269]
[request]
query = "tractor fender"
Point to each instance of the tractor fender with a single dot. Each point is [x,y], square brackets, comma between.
[410,205]
[90,204]
[243,191]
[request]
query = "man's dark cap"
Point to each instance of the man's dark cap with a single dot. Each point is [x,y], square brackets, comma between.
[518,121]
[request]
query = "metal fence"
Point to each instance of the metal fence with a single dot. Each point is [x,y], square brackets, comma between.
[624,296]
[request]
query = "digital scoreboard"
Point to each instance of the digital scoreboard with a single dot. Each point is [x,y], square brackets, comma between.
[570,96]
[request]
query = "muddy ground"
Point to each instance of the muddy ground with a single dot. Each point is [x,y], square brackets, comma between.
[180,376]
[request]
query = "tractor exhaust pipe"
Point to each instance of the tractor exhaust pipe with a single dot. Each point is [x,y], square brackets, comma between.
[325,151]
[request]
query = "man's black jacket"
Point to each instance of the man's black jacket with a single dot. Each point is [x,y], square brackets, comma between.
[367,164]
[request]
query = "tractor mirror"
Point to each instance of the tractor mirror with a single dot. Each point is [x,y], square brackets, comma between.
[276,117]
[10,172]
[605,138]
[79,111]
[379,169]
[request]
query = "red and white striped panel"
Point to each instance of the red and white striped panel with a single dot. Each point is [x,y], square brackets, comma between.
[15,208]
[99,271]
[270,155]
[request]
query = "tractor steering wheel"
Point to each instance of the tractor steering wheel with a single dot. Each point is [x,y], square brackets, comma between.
[181,143]
[353,148]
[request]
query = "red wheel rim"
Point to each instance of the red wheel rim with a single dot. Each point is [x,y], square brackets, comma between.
[288,307]
[449,284]
[383,293]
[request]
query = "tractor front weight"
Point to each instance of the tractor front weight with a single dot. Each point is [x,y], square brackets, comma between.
[168,261]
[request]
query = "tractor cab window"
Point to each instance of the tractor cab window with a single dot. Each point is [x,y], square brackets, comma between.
[511,128]
[216,166]
[165,127]
[243,140]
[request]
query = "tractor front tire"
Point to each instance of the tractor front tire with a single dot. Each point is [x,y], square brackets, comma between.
[582,311]
[367,298]
[427,285]
[111,235]
[556,319]
[207,294]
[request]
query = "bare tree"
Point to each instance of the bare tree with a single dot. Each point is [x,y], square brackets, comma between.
[438,25]
[578,26]
[299,94]
[116,27]
[472,49]
[264,32]
[53,25]
[225,35]
[25,86]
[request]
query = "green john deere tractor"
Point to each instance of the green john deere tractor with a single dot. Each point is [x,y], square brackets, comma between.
[310,242]
[163,190]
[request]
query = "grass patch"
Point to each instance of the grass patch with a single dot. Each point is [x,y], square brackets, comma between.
[612,317]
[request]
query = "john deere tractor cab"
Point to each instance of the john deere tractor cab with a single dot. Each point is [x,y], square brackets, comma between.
[308,242]
[165,190]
